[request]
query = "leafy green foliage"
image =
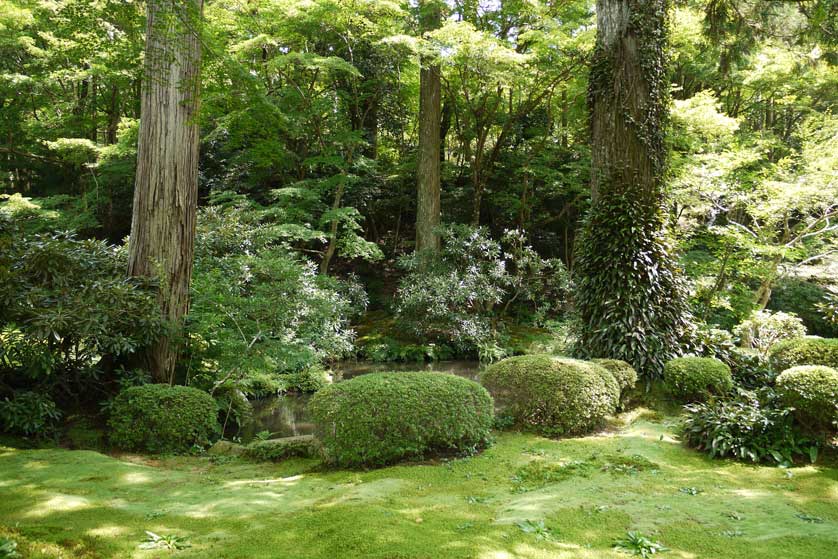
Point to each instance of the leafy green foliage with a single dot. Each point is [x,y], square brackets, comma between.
[630,299]
[636,543]
[694,379]
[753,426]
[805,299]
[380,418]
[8,549]
[812,390]
[306,381]
[168,542]
[536,528]
[28,413]
[804,351]
[262,319]
[749,369]
[69,317]
[551,395]
[457,296]
[163,418]
[763,329]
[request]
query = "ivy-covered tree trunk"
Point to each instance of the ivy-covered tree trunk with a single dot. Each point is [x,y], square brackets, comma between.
[166,187]
[628,295]
[430,114]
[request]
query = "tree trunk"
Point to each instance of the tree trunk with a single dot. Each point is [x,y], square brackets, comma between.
[166,188]
[629,295]
[428,166]
[333,233]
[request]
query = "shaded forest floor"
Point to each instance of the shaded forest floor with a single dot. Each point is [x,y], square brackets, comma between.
[526,497]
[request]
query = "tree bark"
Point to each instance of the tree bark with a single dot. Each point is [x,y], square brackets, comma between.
[625,124]
[166,187]
[629,294]
[428,166]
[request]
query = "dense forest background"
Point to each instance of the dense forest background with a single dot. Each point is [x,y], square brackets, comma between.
[308,175]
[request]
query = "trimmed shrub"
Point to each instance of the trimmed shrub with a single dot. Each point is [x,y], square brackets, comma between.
[804,351]
[610,383]
[693,379]
[624,373]
[381,418]
[551,395]
[812,390]
[162,418]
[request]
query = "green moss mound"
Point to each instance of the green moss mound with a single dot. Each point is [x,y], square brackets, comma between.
[551,395]
[812,390]
[804,351]
[694,379]
[624,373]
[274,450]
[380,418]
[162,418]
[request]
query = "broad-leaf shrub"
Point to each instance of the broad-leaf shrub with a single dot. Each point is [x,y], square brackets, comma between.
[381,418]
[812,390]
[752,427]
[804,351]
[28,413]
[454,297]
[69,315]
[551,395]
[763,329]
[694,379]
[163,418]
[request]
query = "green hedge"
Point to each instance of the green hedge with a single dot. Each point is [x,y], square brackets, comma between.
[804,351]
[381,418]
[812,390]
[624,373]
[552,395]
[693,379]
[163,418]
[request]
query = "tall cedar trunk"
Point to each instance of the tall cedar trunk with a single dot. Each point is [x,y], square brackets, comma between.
[166,188]
[629,294]
[428,187]
[622,152]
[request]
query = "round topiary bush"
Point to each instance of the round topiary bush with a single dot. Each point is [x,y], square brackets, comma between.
[812,390]
[162,418]
[693,379]
[624,373]
[804,351]
[552,395]
[379,418]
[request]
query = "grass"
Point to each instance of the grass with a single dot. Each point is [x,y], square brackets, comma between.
[576,499]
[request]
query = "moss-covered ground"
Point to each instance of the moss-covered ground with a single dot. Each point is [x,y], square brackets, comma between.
[587,492]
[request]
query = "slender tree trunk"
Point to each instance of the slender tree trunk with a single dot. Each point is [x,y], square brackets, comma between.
[166,188]
[113,116]
[428,166]
[333,233]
